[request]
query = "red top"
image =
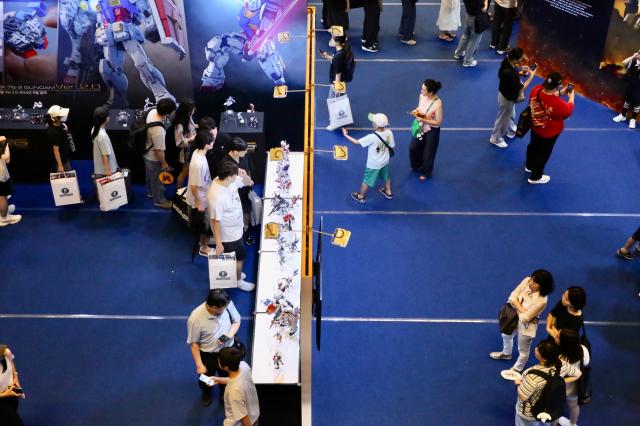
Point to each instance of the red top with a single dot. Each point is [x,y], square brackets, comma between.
[547,120]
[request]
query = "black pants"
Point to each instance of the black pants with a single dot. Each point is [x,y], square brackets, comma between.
[408,20]
[210,360]
[538,153]
[422,154]
[371,24]
[9,412]
[502,26]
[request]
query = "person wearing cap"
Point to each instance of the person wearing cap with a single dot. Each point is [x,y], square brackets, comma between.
[379,145]
[10,389]
[6,187]
[211,327]
[548,112]
[59,138]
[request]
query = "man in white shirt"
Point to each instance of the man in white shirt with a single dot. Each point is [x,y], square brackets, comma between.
[225,211]
[198,183]
[10,389]
[241,407]
[6,187]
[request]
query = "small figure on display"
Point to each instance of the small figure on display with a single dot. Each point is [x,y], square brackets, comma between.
[19,114]
[37,104]
[123,118]
[277,360]
[122,27]
[259,21]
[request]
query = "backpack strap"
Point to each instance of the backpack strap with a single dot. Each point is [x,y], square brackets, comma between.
[147,126]
[540,373]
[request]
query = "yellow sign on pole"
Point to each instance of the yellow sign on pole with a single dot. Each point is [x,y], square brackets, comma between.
[340,152]
[341,237]
[284,37]
[276,154]
[336,31]
[271,231]
[280,92]
[340,87]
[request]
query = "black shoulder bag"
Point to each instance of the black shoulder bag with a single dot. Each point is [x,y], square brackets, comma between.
[524,120]
[237,344]
[392,152]
[584,382]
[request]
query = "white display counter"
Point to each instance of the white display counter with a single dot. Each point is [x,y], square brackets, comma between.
[273,340]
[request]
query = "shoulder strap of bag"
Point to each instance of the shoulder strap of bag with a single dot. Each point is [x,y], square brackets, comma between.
[383,141]
[540,101]
[147,126]
[584,328]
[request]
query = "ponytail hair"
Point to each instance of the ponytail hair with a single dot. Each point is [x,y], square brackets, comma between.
[432,85]
[100,116]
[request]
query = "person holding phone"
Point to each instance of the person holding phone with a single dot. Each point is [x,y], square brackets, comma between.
[510,91]
[211,327]
[548,112]
[10,389]
[631,106]
[338,66]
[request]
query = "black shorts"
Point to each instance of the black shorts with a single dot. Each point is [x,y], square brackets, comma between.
[636,235]
[238,247]
[6,188]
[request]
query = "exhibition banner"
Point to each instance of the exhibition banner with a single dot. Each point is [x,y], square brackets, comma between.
[569,36]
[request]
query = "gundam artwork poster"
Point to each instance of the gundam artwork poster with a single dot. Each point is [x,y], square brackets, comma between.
[113,52]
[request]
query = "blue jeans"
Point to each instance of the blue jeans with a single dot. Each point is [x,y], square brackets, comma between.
[470,40]
[154,186]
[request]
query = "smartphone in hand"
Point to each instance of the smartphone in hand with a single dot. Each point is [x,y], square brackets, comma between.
[322,52]
[224,338]
[533,67]
[569,88]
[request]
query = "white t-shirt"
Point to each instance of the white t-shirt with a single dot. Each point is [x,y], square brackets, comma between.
[102,146]
[4,170]
[200,176]
[6,378]
[378,155]
[224,205]
[155,136]
[572,388]
[241,398]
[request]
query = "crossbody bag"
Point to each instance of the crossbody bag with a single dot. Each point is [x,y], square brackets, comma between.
[392,152]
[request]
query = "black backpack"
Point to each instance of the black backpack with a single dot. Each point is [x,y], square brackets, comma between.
[172,152]
[138,135]
[349,69]
[553,395]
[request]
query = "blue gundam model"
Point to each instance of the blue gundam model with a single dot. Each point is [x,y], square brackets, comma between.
[78,18]
[24,33]
[259,21]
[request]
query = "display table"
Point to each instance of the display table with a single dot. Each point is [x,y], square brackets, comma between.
[250,127]
[276,338]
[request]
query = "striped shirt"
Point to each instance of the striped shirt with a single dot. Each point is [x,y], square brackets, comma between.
[532,385]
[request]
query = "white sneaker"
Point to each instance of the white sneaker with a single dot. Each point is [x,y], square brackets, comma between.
[10,219]
[246,286]
[543,179]
[11,209]
[632,123]
[500,143]
[470,64]
[527,170]
[511,134]
[331,127]
[619,118]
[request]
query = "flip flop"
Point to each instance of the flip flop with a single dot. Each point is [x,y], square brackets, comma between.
[445,37]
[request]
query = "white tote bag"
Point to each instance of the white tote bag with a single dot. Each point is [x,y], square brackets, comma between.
[256,208]
[65,188]
[112,192]
[222,271]
[339,111]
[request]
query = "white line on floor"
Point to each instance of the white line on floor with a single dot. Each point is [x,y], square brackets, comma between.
[461,213]
[388,4]
[482,129]
[329,319]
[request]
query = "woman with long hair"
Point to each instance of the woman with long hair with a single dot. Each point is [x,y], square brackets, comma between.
[185,133]
[104,158]
[567,314]
[338,66]
[426,132]
[199,180]
[572,352]
[531,385]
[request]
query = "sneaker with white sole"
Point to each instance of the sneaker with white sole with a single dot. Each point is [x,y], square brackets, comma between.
[458,56]
[370,48]
[499,355]
[527,170]
[511,134]
[11,209]
[632,123]
[543,179]
[619,118]
[246,286]
[500,143]
[470,64]
[10,219]
[411,42]
[624,254]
